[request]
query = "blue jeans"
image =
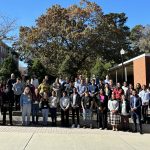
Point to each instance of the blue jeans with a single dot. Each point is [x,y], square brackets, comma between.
[45,116]
[35,112]
[87,116]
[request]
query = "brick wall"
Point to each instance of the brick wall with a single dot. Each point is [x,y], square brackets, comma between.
[139,71]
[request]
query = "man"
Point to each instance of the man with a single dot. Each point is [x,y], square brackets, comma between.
[145,97]
[75,104]
[6,104]
[81,88]
[135,105]
[64,105]
[10,84]
[18,89]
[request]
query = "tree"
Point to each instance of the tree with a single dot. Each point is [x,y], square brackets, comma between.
[74,36]
[9,66]
[6,26]
[100,68]
[36,68]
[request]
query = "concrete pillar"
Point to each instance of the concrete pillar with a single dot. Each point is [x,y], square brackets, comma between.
[126,74]
[116,77]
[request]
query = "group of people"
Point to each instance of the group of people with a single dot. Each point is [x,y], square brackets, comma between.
[114,104]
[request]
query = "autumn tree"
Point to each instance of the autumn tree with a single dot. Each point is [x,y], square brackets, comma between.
[69,40]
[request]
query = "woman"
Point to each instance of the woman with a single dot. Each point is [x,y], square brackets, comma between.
[102,107]
[125,108]
[107,90]
[138,88]
[45,108]
[57,88]
[25,103]
[35,106]
[53,102]
[113,106]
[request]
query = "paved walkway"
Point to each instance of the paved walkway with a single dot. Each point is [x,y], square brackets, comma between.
[54,138]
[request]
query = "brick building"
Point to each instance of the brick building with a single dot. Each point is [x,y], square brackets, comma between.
[136,70]
[4,51]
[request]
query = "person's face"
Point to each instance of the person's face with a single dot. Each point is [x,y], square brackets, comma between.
[93,81]
[46,77]
[101,92]
[76,79]
[74,90]
[100,81]
[27,90]
[134,93]
[106,85]
[111,82]
[125,84]
[107,77]
[82,81]
[18,81]
[36,91]
[138,85]
[130,86]
[118,85]
[64,94]
[144,87]
[86,94]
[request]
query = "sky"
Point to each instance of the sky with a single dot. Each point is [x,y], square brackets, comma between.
[27,11]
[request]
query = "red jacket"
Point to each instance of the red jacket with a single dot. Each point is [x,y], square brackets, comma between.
[118,93]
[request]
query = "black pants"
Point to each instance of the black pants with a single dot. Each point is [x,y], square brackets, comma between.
[75,110]
[101,119]
[5,109]
[53,112]
[137,116]
[17,102]
[65,118]
[145,112]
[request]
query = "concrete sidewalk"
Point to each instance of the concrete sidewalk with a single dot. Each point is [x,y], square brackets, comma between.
[48,138]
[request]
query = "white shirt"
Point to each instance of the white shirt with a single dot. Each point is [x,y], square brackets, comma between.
[53,102]
[74,99]
[124,111]
[145,97]
[125,89]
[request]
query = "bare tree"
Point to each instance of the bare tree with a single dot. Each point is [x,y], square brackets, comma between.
[6,26]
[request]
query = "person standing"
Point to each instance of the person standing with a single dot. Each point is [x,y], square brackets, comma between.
[135,105]
[53,103]
[25,104]
[64,105]
[10,84]
[18,89]
[114,118]
[57,88]
[75,105]
[102,108]
[145,96]
[35,106]
[125,109]
[45,108]
[87,105]
[6,105]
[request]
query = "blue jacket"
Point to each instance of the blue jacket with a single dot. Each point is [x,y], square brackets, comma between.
[24,99]
[137,105]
